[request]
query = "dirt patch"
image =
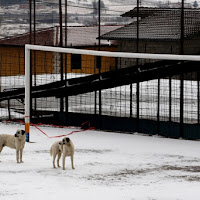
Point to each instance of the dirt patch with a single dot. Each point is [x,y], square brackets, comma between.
[186,178]
[93,151]
[42,151]
[178,173]
[181,168]
[116,177]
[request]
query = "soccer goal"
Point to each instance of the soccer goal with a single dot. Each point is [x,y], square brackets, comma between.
[134,84]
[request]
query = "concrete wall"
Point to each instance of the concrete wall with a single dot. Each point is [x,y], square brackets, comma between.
[191,46]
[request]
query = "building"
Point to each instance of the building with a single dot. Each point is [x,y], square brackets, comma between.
[12,51]
[159,30]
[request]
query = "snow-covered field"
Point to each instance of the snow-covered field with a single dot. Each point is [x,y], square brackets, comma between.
[108,166]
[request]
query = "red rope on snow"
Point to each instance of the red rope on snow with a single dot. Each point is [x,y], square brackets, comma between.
[82,125]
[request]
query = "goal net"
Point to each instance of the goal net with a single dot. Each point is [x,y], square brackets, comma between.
[159,87]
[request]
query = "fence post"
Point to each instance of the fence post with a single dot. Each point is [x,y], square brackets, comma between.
[138,103]
[182,75]
[100,101]
[181,106]
[99,63]
[198,96]
[138,73]
[61,54]
[170,99]
[158,109]
[9,117]
[131,100]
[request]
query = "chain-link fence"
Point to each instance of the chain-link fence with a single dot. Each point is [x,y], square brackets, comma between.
[150,100]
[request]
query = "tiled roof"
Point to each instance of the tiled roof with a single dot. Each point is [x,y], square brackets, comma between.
[145,11]
[87,36]
[159,25]
[43,37]
[76,36]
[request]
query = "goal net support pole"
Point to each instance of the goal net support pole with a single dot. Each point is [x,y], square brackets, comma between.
[29,47]
[27,92]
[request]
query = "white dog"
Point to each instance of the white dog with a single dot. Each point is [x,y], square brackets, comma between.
[16,141]
[56,150]
[67,150]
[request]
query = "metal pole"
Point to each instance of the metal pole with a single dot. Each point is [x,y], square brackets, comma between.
[99,25]
[9,116]
[158,109]
[60,19]
[170,95]
[30,77]
[65,23]
[99,63]
[182,76]
[27,92]
[61,55]
[34,21]
[170,99]
[138,81]
[66,97]
[182,28]
[137,45]
[181,105]
[34,42]
[198,96]
[30,16]
[95,92]
[131,100]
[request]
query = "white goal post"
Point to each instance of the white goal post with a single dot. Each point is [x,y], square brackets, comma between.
[29,47]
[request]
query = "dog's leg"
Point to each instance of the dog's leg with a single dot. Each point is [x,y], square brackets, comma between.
[21,153]
[17,155]
[54,157]
[72,161]
[59,155]
[63,160]
[1,147]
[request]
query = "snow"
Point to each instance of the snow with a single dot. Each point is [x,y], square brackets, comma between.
[108,166]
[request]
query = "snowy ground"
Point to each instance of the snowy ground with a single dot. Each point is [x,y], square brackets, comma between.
[108,166]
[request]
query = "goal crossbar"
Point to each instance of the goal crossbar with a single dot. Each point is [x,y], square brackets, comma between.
[113,54]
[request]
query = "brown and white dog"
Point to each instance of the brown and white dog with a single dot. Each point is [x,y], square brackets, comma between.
[16,141]
[56,150]
[67,150]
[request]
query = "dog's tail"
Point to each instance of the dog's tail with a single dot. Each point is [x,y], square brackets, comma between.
[51,151]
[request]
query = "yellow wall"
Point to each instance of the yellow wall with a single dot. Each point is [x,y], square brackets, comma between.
[12,62]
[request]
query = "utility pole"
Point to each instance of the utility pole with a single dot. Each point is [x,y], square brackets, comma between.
[99,65]
[66,97]
[65,23]
[30,21]
[61,55]
[182,75]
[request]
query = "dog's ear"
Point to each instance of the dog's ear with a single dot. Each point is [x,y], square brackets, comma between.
[17,132]
[67,139]
[23,132]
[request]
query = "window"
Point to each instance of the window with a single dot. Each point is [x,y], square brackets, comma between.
[98,62]
[75,61]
